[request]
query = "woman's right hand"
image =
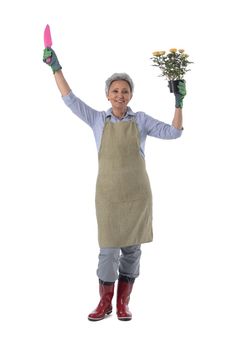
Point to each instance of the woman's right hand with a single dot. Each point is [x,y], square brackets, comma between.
[50,58]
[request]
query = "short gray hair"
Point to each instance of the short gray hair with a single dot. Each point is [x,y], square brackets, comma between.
[118,76]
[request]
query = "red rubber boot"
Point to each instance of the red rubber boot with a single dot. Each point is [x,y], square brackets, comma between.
[106,290]
[124,290]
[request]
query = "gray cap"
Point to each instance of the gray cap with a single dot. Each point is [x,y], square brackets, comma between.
[118,76]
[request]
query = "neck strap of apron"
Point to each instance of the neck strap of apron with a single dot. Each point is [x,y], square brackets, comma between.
[108,118]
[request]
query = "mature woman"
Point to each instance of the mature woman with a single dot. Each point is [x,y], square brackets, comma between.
[123,193]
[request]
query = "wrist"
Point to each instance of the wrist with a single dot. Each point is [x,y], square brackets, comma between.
[56,69]
[178,101]
[56,66]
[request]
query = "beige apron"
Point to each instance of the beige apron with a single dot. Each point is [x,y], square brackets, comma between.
[123,193]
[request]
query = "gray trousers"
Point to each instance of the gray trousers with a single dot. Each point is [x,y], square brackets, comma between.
[115,261]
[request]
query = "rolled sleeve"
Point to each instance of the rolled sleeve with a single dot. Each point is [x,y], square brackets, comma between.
[69,99]
[176,132]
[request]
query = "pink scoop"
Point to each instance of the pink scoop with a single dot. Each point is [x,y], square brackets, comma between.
[47,37]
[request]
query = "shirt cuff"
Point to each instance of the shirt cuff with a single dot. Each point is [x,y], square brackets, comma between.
[69,99]
[177,132]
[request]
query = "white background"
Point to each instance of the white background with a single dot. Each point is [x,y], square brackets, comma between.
[48,160]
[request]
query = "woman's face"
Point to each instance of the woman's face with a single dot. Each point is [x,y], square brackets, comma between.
[119,94]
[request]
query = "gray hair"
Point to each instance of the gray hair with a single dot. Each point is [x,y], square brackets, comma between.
[118,76]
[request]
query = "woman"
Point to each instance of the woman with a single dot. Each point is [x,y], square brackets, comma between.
[123,194]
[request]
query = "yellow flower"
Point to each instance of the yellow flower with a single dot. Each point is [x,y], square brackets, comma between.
[156,53]
[184,55]
[173,64]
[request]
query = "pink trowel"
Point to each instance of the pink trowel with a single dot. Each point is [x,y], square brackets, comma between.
[47,40]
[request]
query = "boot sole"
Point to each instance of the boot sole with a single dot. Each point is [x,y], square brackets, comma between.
[124,318]
[100,318]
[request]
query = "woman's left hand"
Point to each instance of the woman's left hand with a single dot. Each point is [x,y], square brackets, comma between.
[180,96]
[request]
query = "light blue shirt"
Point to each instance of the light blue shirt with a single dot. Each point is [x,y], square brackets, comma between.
[96,120]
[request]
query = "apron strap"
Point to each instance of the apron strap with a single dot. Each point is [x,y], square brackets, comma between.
[107,119]
[131,118]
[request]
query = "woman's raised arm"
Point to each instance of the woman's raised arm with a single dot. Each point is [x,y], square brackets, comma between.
[50,58]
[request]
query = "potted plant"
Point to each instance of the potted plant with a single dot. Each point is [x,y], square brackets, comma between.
[173,65]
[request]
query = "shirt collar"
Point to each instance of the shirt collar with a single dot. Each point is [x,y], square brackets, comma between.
[128,113]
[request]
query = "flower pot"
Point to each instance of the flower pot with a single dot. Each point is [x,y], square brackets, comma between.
[173,85]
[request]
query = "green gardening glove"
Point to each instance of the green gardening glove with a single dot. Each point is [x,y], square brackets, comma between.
[50,58]
[181,94]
